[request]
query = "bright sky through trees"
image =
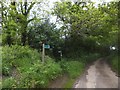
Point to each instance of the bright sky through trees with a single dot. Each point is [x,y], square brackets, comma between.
[51,3]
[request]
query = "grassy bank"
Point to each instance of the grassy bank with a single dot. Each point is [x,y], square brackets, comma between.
[73,70]
[113,61]
[22,68]
[0,67]
[75,67]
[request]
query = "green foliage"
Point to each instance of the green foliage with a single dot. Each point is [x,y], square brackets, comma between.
[73,68]
[31,71]
[40,74]
[70,83]
[45,31]
[83,56]
[17,56]
[0,39]
[86,29]
[9,83]
[115,63]
[6,69]
[15,20]
[89,58]
[113,60]
[90,28]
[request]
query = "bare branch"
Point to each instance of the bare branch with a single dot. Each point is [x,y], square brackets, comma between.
[31,19]
[30,8]
[21,7]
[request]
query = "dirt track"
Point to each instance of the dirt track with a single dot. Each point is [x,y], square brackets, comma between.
[98,75]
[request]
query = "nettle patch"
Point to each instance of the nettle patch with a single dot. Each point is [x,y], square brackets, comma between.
[31,72]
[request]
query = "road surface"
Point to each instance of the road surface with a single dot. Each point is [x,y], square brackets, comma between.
[98,75]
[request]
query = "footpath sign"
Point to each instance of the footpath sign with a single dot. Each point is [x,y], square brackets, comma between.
[47,46]
[43,51]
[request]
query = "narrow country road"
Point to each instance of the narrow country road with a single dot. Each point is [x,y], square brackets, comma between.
[98,75]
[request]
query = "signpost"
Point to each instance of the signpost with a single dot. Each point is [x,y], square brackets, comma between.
[43,51]
[60,54]
[47,46]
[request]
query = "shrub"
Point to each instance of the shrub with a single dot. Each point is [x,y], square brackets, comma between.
[6,70]
[32,72]
[113,60]
[9,83]
[39,74]
[73,68]
[89,58]
[17,56]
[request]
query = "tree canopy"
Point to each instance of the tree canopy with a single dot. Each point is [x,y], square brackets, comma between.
[91,28]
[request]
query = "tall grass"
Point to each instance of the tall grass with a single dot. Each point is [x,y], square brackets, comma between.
[31,72]
[113,60]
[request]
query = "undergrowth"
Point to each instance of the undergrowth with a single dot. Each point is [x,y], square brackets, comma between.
[32,73]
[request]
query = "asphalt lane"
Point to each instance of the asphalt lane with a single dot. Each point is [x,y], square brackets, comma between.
[98,75]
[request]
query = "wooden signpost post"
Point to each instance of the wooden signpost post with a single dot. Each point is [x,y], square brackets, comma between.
[43,51]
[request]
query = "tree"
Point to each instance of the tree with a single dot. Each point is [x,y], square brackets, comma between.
[45,31]
[91,28]
[16,14]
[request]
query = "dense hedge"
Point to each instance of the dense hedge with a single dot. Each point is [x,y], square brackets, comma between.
[113,61]
[72,68]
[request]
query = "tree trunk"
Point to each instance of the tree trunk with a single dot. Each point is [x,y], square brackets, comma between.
[9,39]
[24,38]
